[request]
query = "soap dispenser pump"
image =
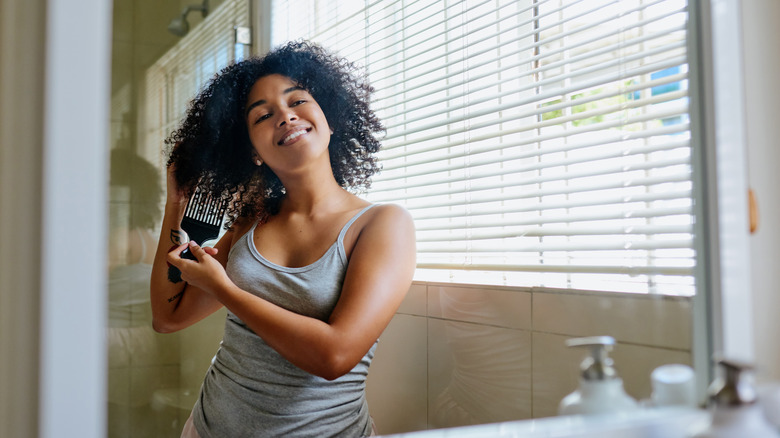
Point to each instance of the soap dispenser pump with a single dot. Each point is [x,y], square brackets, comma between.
[734,405]
[601,389]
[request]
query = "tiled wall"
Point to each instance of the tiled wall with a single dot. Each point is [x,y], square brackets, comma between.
[150,375]
[456,355]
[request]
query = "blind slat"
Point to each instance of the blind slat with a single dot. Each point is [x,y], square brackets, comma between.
[616,174]
[606,137]
[508,167]
[472,235]
[606,200]
[493,196]
[564,269]
[569,246]
[459,223]
[649,115]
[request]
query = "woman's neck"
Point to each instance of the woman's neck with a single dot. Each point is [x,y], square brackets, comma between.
[315,198]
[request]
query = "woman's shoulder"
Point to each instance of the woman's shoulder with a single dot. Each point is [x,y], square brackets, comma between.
[388,216]
[390,210]
[384,227]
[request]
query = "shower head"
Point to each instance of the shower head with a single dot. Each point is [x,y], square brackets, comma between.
[179,25]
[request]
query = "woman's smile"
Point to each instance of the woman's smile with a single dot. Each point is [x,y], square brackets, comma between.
[293,135]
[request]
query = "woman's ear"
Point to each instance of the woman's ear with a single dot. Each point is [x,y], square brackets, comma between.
[256,159]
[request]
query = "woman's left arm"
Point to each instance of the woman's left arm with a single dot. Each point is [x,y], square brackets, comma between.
[379,274]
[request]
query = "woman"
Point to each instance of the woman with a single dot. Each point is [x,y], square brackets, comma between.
[310,273]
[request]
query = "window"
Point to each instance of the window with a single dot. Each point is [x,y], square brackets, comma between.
[537,143]
[174,79]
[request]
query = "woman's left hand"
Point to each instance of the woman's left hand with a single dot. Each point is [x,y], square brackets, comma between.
[206,273]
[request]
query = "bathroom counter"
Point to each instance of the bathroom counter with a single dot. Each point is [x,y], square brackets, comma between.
[646,423]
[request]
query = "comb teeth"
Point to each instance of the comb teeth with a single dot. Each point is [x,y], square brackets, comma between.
[204,208]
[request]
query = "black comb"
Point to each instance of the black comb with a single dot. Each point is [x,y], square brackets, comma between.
[202,221]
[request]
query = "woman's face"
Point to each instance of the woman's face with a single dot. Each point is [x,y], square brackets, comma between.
[286,126]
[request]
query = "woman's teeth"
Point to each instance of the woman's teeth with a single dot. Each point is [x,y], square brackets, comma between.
[292,136]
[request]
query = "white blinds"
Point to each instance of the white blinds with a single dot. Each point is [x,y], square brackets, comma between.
[536,143]
[174,79]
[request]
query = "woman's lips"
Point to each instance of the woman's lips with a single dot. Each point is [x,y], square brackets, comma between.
[293,135]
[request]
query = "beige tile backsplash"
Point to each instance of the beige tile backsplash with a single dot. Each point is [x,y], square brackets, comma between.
[503,308]
[477,373]
[416,301]
[457,355]
[638,319]
[397,395]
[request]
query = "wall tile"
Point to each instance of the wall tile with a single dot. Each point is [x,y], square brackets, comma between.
[121,68]
[504,308]
[123,123]
[146,380]
[635,363]
[167,404]
[168,347]
[152,18]
[144,55]
[119,386]
[416,301]
[118,413]
[555,372]
[397,383]
[477,374]
[131,339]
[199,344]
[638,319]
[122,29]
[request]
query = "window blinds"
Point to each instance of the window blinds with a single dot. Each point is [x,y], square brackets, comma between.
[536,143]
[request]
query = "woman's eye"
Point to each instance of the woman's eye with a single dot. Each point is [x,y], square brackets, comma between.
[261,118]
[298,102]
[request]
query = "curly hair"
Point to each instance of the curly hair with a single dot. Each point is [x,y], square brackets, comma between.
[211,148]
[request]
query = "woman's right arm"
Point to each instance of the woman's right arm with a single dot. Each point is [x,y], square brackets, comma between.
[176,305]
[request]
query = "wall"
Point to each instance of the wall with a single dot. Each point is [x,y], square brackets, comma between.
[52,198]
[22,67]
[140,362]
[153,378]
[761,43]
[457,354]
[140,36]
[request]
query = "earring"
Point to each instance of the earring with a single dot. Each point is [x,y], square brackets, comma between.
[258,162]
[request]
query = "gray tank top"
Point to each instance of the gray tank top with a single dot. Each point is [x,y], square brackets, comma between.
[252,391]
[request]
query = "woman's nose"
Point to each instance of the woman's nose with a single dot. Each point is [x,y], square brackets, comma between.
[287,117]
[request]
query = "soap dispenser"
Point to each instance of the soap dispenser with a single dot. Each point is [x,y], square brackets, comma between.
[601,390]
[734,405]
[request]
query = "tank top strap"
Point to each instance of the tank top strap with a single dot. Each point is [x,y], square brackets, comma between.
[350,222]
